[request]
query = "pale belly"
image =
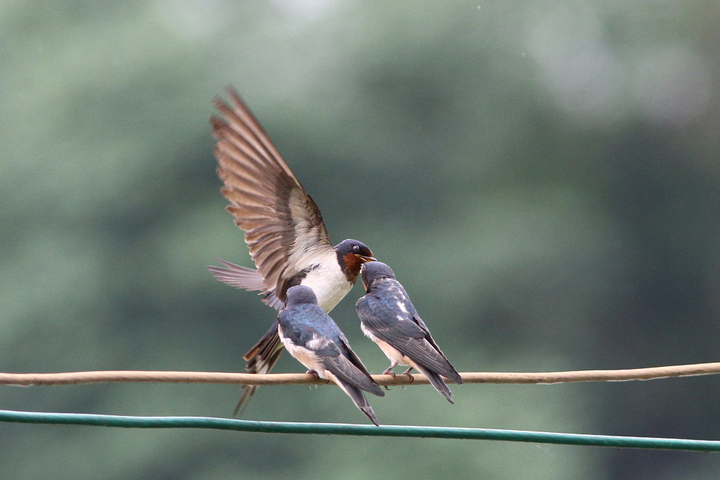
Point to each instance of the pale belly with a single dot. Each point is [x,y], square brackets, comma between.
[304,355]
[329,284]
[392,353]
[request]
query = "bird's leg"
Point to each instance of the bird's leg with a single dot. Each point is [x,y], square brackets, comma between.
[407,372]
[388,371]
[314,374]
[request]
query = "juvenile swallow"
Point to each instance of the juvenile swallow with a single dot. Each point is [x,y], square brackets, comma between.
[315,340]
[284,229]
[389,319]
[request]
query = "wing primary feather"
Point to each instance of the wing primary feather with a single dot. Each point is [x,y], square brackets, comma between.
[234,127]
[244,114]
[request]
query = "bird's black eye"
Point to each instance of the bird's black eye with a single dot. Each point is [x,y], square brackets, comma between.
[356,248]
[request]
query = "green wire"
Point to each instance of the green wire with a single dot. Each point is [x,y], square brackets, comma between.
[362,430]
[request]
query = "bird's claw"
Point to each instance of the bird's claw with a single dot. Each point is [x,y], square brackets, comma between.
[316,375]
[389,372]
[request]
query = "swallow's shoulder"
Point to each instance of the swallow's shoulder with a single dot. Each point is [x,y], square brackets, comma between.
[392,296]
[308,320]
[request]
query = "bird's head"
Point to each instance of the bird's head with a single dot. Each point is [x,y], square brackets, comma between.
[351,256]
[300,294]
[374,271]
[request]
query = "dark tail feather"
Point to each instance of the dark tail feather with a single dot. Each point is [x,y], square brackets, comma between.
[263,349]
[370,414]
[248,392]
[265,353]
[452,374]
[260,359]
[437,382]
[359,400]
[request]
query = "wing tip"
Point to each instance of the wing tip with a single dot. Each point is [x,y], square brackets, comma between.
[234,95]
[377,391]
[368,411]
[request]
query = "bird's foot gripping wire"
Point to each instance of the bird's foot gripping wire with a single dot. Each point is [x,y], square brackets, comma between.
[388,371]
[316,375]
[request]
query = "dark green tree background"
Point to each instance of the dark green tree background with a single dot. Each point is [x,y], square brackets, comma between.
[543,177]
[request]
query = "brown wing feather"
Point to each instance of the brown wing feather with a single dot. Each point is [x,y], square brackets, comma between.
[282,223]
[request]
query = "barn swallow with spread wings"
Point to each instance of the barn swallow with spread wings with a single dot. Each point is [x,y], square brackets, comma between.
[389,319]
[284,229]
[315,340]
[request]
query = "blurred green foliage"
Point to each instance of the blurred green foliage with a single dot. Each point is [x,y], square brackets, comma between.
[543,177]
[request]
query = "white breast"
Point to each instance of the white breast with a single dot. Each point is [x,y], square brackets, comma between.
[328,282]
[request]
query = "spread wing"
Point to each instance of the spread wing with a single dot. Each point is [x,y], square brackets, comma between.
[283,225]
[404,331]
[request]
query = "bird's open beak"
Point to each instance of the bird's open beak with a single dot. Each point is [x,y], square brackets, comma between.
[364,258]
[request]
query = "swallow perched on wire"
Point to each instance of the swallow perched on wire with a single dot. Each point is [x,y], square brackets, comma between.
[389,319]
[283,228]
[315,340]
